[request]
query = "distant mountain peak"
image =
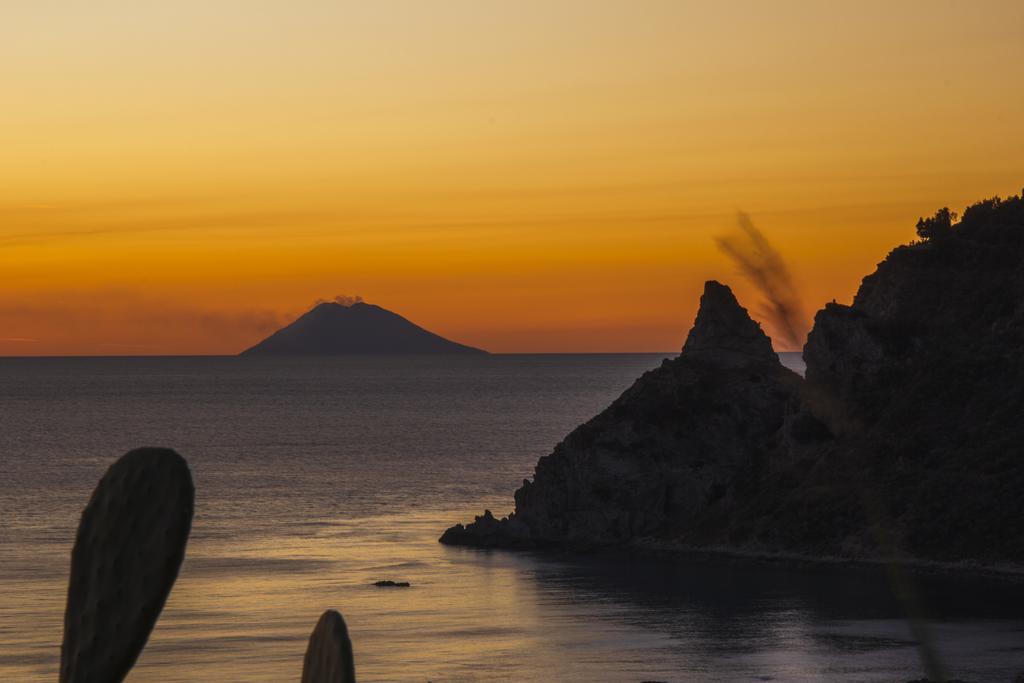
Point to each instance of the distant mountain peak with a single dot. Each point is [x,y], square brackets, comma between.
[349,325]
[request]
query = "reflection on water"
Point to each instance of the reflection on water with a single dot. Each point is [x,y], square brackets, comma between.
[303,503]
[242,612]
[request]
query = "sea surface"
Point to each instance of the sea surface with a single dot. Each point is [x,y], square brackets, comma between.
[317,477]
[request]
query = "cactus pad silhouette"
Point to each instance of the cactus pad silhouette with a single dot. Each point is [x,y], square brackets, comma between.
[130,545]
[329,654]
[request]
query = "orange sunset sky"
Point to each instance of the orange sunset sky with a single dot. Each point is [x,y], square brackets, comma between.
[184,177]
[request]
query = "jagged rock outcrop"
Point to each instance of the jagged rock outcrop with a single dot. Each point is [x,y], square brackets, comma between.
[905,439]
[674,451]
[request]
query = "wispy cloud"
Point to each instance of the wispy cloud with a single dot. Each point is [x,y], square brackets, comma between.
[44,224]
[117,321]
[131,347]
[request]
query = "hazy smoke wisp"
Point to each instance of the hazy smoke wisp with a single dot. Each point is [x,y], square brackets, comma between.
[345,300]
[763,266]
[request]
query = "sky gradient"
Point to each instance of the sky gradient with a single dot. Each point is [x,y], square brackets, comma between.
[520,176]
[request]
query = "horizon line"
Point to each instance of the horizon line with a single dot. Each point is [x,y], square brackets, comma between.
[357,355]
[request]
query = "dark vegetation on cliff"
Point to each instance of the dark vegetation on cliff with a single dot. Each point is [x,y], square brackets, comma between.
[905,439]
[332,328]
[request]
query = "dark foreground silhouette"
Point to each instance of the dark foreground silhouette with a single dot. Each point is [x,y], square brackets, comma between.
[128,550]
[129,547]
[332,329]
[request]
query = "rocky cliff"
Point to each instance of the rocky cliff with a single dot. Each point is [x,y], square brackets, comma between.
[904,439]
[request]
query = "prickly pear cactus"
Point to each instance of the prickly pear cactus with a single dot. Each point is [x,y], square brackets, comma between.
[329,654]
[130,544]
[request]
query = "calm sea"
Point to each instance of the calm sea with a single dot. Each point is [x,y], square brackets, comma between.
[317,477]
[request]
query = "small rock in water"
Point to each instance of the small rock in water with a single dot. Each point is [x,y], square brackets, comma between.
[392,584]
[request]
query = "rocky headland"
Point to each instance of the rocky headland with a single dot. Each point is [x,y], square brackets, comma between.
[904,439]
